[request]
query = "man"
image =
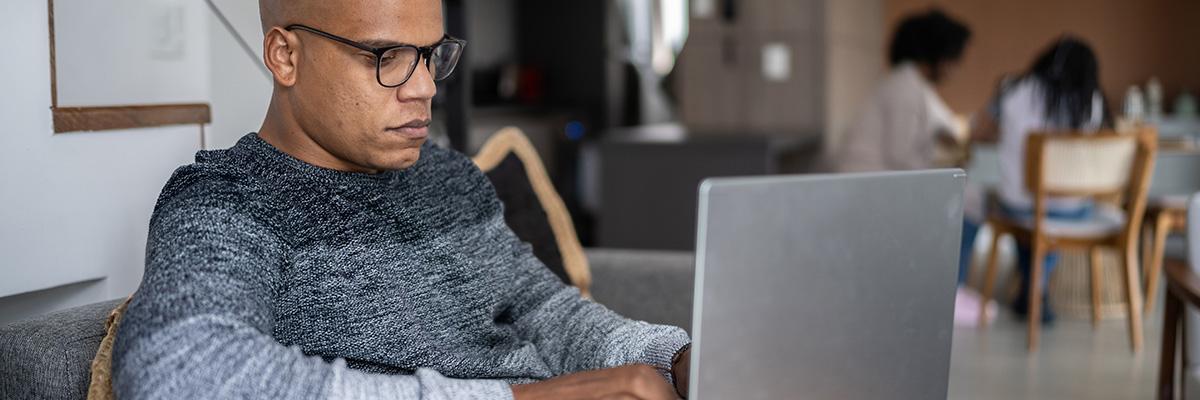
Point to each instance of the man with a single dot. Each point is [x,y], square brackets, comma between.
[336,254]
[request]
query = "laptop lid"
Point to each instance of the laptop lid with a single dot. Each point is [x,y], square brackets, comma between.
[826,286]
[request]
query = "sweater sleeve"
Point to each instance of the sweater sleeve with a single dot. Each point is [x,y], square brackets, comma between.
[575,334]
[200,324]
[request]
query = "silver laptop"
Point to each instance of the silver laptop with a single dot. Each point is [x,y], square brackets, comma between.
[826,286]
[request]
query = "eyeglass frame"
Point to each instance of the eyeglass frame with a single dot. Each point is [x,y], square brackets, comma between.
[422,52]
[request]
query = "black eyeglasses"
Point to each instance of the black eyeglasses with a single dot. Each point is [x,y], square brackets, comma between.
[394,65]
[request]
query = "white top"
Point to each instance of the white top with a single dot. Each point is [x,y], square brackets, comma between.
[1021,110]
[898,126]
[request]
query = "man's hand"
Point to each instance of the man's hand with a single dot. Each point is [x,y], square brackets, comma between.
[632,382]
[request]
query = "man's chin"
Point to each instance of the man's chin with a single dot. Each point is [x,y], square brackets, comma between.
[402,159]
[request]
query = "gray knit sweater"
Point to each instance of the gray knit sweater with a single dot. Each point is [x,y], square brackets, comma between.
[267,277]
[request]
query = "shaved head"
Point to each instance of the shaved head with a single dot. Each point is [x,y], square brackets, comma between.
[282,13]
[328,108]
[285,12]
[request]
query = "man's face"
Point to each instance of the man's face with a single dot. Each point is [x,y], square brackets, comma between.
[337,100]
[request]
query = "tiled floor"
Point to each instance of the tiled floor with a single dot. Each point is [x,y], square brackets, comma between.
[1073,362]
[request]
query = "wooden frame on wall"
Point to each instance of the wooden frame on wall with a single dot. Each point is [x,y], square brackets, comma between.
[100,118]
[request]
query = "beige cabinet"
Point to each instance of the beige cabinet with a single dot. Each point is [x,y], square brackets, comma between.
[724,87]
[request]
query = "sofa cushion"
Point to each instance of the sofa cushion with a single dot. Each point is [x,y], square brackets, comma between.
[49,357]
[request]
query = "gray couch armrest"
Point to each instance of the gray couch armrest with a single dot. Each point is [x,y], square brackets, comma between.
[647,285]
[50,357]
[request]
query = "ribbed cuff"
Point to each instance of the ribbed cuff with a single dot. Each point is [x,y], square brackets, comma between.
[663,348]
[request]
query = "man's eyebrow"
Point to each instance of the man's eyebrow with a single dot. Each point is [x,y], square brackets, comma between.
[381,43]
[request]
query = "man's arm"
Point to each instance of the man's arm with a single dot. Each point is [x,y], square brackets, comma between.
[575,334]
[200,324]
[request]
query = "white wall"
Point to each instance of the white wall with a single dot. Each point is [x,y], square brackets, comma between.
[131,51]
[74,206]
[240,89]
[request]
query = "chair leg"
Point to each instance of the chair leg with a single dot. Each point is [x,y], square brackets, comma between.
[1154,266]
[1146,242]
[1035,294]
[1168,360]
[1133,298]
[1184,360]
[1096,275]
[989,278]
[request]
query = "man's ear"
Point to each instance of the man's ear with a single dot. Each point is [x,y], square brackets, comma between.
[280,55]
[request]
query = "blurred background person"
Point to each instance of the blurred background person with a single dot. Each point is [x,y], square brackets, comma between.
[1060,92]
[904,120]
[900,124]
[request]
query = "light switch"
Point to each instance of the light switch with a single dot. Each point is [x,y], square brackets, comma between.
[776,62]
[167,32]
[703,8]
